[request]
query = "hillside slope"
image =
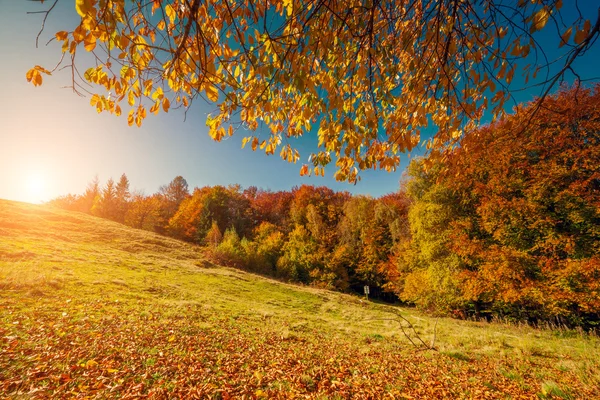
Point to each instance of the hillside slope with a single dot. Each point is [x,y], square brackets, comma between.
[91,308]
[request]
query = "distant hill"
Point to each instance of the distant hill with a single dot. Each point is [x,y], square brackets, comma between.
[91,308]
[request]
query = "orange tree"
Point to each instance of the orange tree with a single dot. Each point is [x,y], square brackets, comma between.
[510,221]
[535,234]
[367,75]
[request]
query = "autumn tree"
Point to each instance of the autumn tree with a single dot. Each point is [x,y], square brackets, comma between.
[534,238]
[368,231]
[214,235]
[367,76]
[188,222]
[142,211]
[227,207]
[171,197]
[508,223]
[268,206]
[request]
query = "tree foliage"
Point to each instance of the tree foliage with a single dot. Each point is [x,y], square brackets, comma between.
[510,221]
[367,76]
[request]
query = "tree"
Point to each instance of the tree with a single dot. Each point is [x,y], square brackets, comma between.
[509,222]
[533,238]
[105,205]
[299,256]
[368,76]
[424,267]
[171,196]
[214,235]
[122,196]
[224,206]
[142,212]
[176,191]
[367,231]
[92,191]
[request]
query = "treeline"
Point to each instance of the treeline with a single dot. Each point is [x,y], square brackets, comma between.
[310,234]
[507,224]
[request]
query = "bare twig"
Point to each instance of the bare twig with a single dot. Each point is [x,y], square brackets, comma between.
[46,13]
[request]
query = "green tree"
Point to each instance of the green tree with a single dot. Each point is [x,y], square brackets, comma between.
[428,269]
[299,256]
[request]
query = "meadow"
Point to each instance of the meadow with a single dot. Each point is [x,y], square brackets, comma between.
[90,308]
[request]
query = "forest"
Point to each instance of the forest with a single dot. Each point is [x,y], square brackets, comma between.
[504,225]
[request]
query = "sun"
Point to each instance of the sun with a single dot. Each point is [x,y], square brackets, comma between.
[36,188]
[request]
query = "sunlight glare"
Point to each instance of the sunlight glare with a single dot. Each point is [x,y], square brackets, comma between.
[36,187]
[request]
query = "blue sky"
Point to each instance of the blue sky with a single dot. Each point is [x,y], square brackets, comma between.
[53,143]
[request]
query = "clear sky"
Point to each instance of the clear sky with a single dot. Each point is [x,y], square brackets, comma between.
[52,142]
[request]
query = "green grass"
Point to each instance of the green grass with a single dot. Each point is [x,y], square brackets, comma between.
[90,308]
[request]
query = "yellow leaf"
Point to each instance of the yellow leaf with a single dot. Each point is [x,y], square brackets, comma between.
[158,94]
[34,77]
[161,25]
[245,141]
[131,98]
[170,11]
[565,37]
[79,34]
[172,338]
[540,19]
[289,6]
[212,92]
[112,370]
[84,7]
[90,42]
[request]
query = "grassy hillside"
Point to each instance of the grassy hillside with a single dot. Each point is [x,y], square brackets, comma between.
[93,309]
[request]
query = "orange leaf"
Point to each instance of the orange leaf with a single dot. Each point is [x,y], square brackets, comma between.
[212,92]
[84,7]
[565,37]
[582,34]
[90,42]
[62,35]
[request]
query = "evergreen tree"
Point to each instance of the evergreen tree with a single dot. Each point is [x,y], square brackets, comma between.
[122,196]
